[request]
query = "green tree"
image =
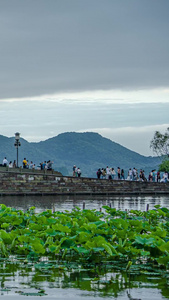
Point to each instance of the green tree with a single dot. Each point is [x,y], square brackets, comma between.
[160,143]
[164,166]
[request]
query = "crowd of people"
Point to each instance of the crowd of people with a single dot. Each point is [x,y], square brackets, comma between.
[76,171]
[28,165]
[132,174]
[42,166]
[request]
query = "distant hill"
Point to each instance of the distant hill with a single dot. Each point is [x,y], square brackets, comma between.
[89,151]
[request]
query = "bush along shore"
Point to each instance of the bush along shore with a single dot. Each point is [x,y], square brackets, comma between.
[87,236]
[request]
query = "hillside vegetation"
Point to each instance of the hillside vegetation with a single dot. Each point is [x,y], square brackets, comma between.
[89,151]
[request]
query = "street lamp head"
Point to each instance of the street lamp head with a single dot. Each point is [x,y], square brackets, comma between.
[17,136]
[17,144]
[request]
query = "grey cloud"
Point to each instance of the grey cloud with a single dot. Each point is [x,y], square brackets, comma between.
[61,117]
[52,46]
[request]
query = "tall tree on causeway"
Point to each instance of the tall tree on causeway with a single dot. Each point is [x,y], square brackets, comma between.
[160,143]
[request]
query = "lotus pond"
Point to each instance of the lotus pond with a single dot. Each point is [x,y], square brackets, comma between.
[109,253]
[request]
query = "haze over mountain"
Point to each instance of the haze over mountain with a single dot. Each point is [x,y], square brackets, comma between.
[88,150]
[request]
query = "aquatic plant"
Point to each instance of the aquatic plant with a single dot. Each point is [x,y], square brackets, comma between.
[86,236]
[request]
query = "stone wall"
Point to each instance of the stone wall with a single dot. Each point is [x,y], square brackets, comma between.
[20,183]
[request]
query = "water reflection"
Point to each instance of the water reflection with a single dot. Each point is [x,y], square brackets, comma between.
[62,203]
[68,281]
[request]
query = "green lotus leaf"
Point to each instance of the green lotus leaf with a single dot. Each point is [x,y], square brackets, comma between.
[38,248]
[157,206]
[161,212]
[120,223]
[107,249]
[91,216]
[164,247]
[163,260]
[81,250]
[3,248]
[50,232]
[51,221]
[145,253]
[42,220]
[5,225]
[144,241]
[6,237]
[49,240]
[35,227]
[161,232]
[62,228]
[68,242]
[54,249]
[24,239]
[3,207]
[128,265]
[84,237]
[98,249]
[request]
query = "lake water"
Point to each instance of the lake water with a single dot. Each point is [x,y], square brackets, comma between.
[23,282]
[62,203]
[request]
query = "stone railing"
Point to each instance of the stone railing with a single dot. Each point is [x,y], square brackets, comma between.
[52,182]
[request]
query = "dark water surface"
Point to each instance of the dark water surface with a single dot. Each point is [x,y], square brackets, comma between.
[24,282]
[62,203]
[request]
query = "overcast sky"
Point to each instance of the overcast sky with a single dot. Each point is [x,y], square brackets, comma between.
[85,65]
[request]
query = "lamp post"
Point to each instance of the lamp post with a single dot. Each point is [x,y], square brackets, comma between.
[17,144]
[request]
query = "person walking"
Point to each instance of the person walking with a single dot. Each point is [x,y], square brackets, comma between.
[113,173]
[24,163]
[134,173]
[99,173]
[74,171]
[130,174]
[122,174]
[10,164]
[5,162]
[107,172]
[14,164]
[78,172]
[118,172]
[158,176]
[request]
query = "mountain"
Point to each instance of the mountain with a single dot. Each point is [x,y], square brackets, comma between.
[88,150]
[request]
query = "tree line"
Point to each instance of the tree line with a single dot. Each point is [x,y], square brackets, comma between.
[160,145]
